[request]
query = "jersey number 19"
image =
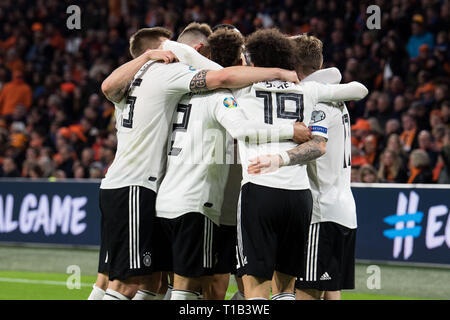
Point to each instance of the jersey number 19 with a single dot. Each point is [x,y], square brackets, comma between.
[281,99]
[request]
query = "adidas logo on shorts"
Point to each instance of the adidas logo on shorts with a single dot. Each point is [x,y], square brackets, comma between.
[325,276]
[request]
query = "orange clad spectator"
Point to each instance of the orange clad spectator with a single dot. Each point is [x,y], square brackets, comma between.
[14,93]
[370,149]
[115,8]
[409,134]
[360,130]
[12,60]
[427,90]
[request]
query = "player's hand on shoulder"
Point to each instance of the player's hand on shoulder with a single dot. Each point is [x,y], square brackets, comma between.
[166,56]
[288,76]
[301,133]
[264,164]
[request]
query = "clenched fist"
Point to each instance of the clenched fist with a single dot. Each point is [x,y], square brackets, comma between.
[301,133]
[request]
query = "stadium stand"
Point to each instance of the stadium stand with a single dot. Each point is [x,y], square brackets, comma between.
[55,122]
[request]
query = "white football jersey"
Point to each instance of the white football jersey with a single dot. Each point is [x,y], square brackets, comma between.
[197,169]
[277,102]
[188,55]
[143,118]
[329,175]
[198,165]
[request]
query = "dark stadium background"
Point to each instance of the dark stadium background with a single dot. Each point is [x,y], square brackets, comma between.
[55,124]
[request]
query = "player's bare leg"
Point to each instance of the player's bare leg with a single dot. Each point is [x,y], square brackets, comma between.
[100,286]
[308,294]
[239,295]
[185,288]
[152,287]
[102,281]
[123,289]
[282,286]
[169,285]
[215,287]
[332,295]
[256,288]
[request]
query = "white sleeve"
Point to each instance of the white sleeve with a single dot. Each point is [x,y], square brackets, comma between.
[230,116]
[190,56]
[336,92]
[328,75]
[320,120]
[177,77]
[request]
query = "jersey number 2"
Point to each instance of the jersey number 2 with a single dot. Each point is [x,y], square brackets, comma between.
[281,106]
[186,111]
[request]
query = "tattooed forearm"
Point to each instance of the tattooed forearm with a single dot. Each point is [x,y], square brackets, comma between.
[198,82]
[307,151]
[117,95]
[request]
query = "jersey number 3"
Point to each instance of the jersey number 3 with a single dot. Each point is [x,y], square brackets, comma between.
[131,100]
[281,106]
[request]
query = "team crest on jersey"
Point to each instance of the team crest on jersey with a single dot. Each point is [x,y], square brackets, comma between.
[147,259]
[317,116]
[230,102]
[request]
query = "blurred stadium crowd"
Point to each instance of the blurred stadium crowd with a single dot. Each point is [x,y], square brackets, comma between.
[55,122]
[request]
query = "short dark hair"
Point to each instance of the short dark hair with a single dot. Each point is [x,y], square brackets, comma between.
[226,47]
[224,26]
[147,38]
[271,48]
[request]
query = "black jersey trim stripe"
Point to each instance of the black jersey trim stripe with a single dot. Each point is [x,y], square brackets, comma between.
[134,196]
[239,246]
[313,244]
[308,254]
[138,194]
[205,226]
[315,253]
[134,227]
[211,238]
[130,226]
[207,244]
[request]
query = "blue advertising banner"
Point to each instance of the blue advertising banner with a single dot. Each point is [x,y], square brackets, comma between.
[403,223]
[396,223]
[64,213]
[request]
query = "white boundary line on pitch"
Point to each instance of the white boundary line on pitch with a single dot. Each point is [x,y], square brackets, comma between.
[47,282]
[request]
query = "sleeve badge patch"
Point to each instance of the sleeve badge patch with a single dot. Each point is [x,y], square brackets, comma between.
[317,116]
[230,102]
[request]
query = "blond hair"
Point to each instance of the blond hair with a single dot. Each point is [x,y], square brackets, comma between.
[308,50]
[196,33]
[419,159]
[394,168]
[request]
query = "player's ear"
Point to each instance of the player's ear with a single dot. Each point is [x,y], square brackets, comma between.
[199,46]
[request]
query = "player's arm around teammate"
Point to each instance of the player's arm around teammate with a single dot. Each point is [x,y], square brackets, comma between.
[118,82]
[316,147]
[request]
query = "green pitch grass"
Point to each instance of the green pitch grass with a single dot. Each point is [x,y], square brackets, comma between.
[29,273]
[53,286]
